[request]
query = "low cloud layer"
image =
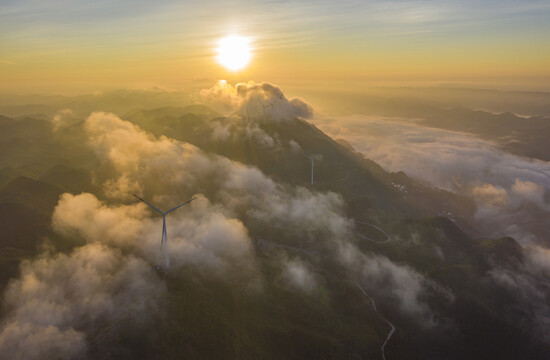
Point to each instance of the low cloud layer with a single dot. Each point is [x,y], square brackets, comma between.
[199,236]
[60,300]
[512,193]
[399,284]
[236,129]
[523,283]
[168,172]
[512,196]
[63,119]
[298,275]
[233,193]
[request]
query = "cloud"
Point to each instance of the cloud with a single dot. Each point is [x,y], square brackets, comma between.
[298,275]
[201,236]
[301,108]
[494,196]
[259,102]
[211,236]
[221,96]
[137,158]
[234,194]
[85,216]
[523,282]
[170,171]
[294,146]
[220,131]
[511,192]
[306,210]
[398,284]
[61,299]
[529,191]
[235,129]
[64,118]
[208,234]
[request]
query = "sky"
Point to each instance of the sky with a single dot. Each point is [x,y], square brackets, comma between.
[78,45]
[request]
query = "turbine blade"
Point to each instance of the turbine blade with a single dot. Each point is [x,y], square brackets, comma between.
[177,207]
[154,208]
[164,237]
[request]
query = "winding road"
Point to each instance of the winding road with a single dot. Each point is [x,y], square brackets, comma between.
[271,245]
[375,227]
[392,328]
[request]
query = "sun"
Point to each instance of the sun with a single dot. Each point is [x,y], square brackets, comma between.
[234,52]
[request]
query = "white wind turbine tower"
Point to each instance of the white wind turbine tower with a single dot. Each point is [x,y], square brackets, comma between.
[312,159]
[164,238]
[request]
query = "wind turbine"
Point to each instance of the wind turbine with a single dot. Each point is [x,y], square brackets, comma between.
[312,158]
[164,238]
[248,124]
[265,107]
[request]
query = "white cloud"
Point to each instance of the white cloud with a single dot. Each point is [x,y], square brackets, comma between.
[526,282]
[58,298]
[234,128]
[201,236]
[259,102]
[232,191]
[399,284]
[64,118]
[510,191]
[298,275]
[167,169]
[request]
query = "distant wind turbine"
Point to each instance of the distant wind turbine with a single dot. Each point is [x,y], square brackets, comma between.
[164,238]
[312,158]
[265,107]
[248,124]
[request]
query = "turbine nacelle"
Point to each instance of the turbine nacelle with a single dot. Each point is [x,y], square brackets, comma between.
[164,213]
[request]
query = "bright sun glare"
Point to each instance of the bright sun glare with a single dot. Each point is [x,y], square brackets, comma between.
[234,52]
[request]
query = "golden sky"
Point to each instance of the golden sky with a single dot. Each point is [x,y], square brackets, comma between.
[63,46]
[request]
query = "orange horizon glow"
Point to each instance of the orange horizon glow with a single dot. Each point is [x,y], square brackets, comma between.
[294,45]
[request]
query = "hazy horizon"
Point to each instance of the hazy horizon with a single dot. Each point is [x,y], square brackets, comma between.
[67,46]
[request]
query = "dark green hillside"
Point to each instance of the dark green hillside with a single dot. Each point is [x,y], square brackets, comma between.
[361,181]
[26,206]
[37,194]
[72,180]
